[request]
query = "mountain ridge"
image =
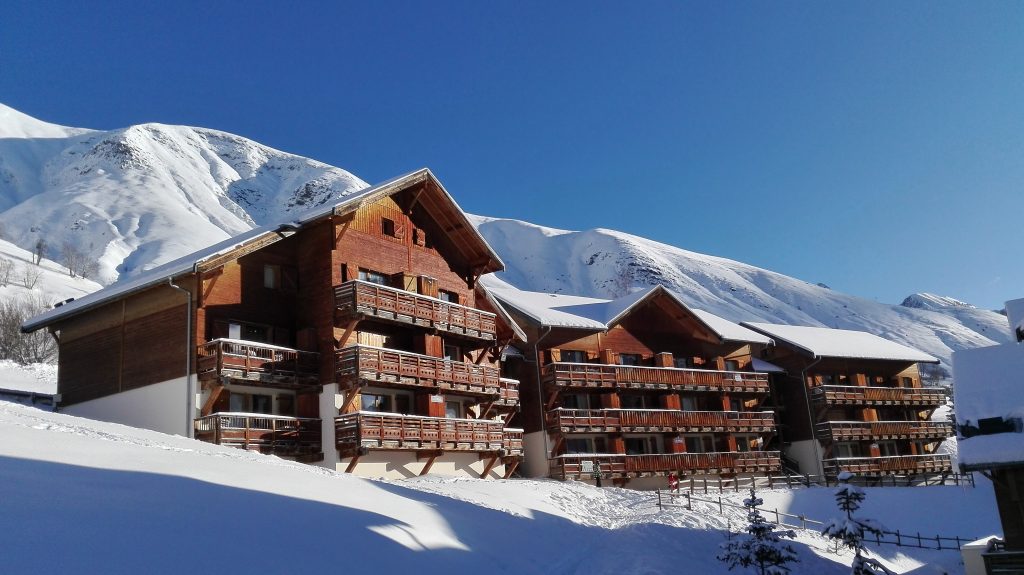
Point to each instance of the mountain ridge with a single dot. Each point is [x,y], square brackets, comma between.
[136,197]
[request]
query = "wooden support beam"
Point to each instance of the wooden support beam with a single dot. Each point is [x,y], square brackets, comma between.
[340,343]
[351,396]
[215,396]
[552,400]
[352,464]
[487,410]
[433,455]
[490,465]
[510,468]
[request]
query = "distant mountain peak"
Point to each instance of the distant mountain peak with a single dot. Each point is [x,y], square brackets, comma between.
[933,302]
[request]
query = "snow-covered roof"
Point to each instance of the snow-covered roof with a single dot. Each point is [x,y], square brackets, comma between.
[578,312]
[164,273]
[841,343]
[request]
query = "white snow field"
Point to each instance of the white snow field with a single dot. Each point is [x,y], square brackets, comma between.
[80,496]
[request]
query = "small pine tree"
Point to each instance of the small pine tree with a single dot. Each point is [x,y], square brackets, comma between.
[850,531]
[762,546]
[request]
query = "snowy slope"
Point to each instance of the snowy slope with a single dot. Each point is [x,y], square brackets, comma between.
[607,263]
[81,496]
[139,196]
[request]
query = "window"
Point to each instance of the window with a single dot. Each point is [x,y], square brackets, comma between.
[381,401]
[699,443]
[448,296]
[454,409]
[251,403]
[683,362]
[639,401]
[847,449]
[576,401]
[373,277]
[262,404]
[452,352]
[908,382]
[887,448]
[641,445]
[748,443]
[629,359]
[271,276]
[690,403]
[574,356]
[388,227]
[732,365]
[585,445]
[419,237]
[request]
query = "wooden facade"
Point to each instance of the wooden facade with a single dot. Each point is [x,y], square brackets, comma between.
[655,393]
[870,417]
[372,303]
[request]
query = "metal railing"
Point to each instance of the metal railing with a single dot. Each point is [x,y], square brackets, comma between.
[864,430]
[390,431]
[584,466]
[360,297]
[867,395]
[256,361]
[884,465]
[275,434]
[597,375]
[583,420]
[711,484]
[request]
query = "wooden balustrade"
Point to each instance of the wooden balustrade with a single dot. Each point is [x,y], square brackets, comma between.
[606,376]
[275,434]
[364,365]
[867,430]
[619,420]
[357,432]
[364,298]
[512,441]
[866,395]
[257,363]
[901,464]
[583,466]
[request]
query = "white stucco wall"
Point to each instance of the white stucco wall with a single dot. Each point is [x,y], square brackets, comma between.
[806,454]
[535,451]
[160,407]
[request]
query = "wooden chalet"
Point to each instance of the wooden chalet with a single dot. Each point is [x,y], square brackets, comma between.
[634,389]
[853,401]
[989,410]
[354,336]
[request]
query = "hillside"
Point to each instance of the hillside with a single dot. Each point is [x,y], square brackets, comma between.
[143,195]
[607,263]
[140,196]
[82,496]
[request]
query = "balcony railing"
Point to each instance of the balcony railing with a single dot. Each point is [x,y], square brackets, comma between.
[388,303]
[583,466]
[275,434]
[364,365]
[866,430]
[357,432]
[596,375]
[257,363]
[628,420]
[902,464]
[862,395]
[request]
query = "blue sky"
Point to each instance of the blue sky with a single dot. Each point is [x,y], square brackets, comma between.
[876,147]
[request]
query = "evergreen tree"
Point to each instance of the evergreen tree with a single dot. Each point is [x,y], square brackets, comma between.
[850,531]
[761,546]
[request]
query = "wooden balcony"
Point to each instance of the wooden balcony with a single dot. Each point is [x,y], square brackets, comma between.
[251,363]
[896,464]
[273,434]
[356,433]
[359,298]
[606,376]
[872,430]
[361,365]
[860,395]
[652,420]
[582,466]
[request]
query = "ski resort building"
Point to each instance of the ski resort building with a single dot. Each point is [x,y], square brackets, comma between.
[990,411]
[354,336]
[853,401]
[637,388]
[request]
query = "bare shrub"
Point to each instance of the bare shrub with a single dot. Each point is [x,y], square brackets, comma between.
[36,347]
[77,261]
[30,276]
[6,267]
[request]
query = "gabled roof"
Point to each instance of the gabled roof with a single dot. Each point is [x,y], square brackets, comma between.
[840,343]
[990,386]
[470,243]
[577,312]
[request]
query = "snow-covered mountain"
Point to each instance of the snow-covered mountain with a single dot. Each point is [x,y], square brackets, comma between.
[140,196]
[607,263]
